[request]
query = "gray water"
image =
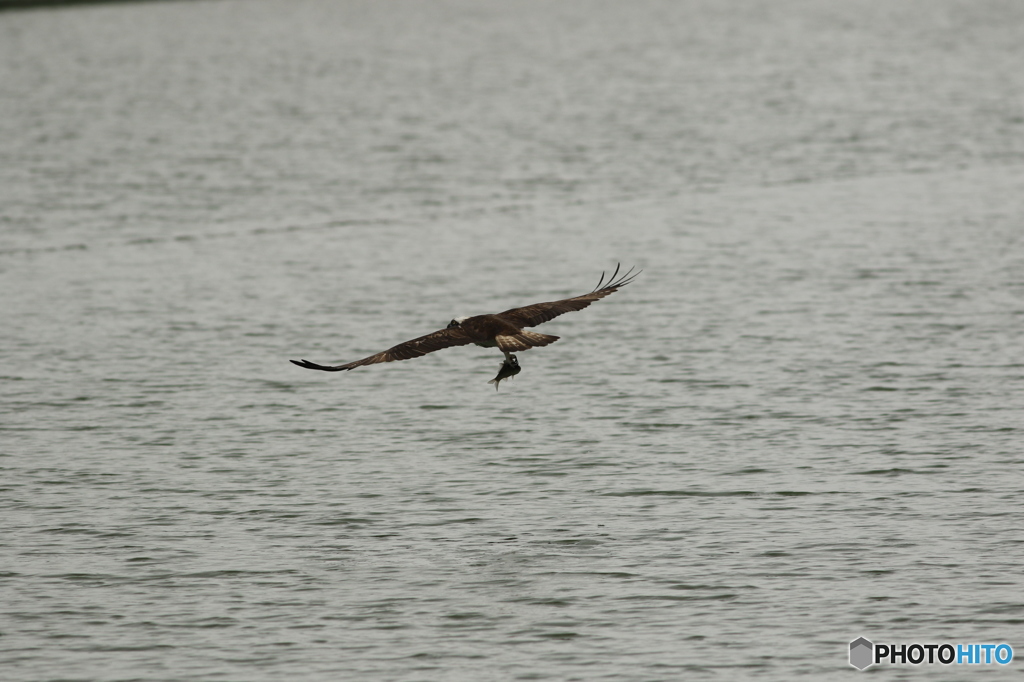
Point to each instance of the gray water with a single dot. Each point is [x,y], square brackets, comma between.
[800,425]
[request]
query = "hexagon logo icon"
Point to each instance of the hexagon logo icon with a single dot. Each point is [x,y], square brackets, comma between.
[861,653]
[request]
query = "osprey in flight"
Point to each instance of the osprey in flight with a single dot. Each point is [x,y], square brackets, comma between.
[504,331]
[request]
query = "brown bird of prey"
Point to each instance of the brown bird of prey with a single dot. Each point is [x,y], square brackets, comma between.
[504,331]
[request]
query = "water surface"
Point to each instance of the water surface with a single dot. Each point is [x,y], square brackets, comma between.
[800,425]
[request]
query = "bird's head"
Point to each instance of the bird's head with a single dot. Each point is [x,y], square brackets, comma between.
[457,322]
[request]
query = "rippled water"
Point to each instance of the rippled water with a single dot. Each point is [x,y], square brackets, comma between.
[801,424]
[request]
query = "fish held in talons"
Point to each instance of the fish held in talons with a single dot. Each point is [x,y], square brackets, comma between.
[509,368]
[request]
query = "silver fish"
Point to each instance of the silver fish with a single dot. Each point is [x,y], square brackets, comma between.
[509,369]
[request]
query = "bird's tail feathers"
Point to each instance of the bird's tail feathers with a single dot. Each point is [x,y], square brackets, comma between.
[524,340]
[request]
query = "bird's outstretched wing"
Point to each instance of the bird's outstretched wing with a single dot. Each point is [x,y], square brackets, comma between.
[443,338]
[538,313]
